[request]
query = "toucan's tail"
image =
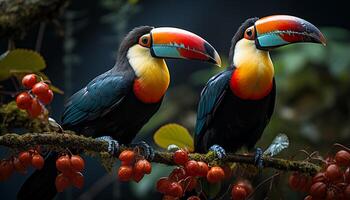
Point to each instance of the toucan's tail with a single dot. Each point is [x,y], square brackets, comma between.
[41,184]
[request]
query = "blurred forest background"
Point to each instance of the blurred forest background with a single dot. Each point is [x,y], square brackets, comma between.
[313,82]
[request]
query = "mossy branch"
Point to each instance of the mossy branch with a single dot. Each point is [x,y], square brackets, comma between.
[55,140]
[17,16]
[13,118]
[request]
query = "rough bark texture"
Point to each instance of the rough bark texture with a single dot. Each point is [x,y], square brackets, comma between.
[40,133]
[54,140]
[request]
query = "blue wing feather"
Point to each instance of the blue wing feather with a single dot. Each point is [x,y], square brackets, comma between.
[99,96]
[210,96]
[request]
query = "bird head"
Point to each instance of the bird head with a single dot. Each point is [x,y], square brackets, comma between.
[249,53]
[167,42]
[274,31]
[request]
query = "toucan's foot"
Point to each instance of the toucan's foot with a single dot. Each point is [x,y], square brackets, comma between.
[218,150]
[258,158]
[113,145]
[147,150]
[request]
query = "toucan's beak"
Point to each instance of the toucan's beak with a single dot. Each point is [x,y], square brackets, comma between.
[177,43]
[279,30]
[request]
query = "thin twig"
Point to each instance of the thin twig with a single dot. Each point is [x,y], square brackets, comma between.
[262,183]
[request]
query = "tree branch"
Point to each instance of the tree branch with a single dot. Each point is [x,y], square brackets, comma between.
[17,16]
[69,140]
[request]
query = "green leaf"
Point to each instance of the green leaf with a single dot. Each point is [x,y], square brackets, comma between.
[20,60]
[174,134]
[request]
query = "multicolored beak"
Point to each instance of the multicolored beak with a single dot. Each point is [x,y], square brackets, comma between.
[279,30]
[177,43]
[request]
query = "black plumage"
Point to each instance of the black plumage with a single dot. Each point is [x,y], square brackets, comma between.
[106,106]
[232,122]
[227,120]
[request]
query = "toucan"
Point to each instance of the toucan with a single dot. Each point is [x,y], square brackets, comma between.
[236,105]
[115,105]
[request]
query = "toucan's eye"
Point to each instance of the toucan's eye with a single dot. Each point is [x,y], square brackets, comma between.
[145,40]
[249,33]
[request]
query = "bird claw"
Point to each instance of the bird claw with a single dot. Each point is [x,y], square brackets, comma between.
[218,150]
[113,145]
[147,150]
[258,160]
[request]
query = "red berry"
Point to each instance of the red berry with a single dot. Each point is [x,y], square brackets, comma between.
[38,161]
[175,190]
[215,174]
[319,177]
[62,182]
[138,167]
[138,176]
[193,198]
[69,174]
[192,168]
[294,180]
[63,164]
[238,192]
[78,180]
[203,169]
[77,163]
[6,169]
[304,184]
[334,173]
[18,165]
[163,185]
[25,157]
[29,80]
[35,109]
[40,89]
[342,158]
[46,98]
[246,185]
[125,173]
[127,157]
[180,157]
[24,101]
[143,166]
[318,190]
[147,167]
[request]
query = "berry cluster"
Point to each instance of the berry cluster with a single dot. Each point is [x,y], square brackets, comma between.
[184,178]
[198,168]
[37,95]
[176,184]
[70,168]
[333,182]
[20,163]
[133,166]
